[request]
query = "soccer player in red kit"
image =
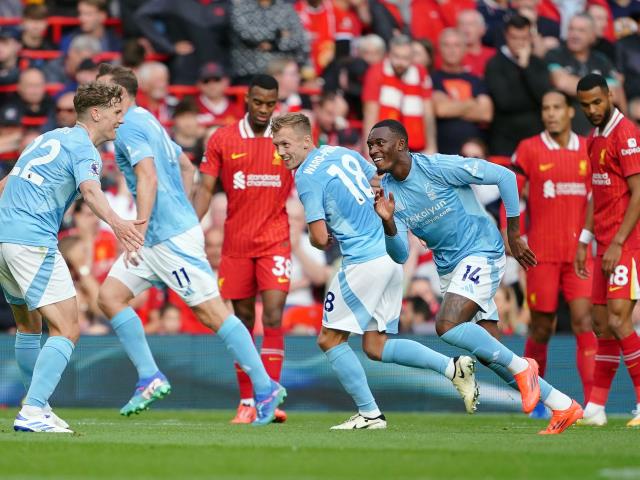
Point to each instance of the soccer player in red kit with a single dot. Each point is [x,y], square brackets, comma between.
[614,151]
[256,253]
[556,167]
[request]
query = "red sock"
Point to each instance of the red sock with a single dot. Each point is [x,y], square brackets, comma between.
[244,381]
[607,361]
[631,352]
[587,346]
[537,351]
[272,352]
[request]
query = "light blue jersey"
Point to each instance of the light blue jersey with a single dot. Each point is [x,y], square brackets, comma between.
[437,204]
[142,136]
[333,185]
[44,183]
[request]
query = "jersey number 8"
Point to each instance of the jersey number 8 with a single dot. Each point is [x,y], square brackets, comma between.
[351,165]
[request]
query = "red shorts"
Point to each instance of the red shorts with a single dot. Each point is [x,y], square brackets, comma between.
[622,284]
[547,279]
[240,278]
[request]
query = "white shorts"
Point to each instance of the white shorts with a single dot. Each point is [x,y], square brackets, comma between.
[179,263]
[476,278]
[365,297]
[34,276]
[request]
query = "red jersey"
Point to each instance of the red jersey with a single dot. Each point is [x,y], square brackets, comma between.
[476,62]
[558,188]
[223,113]
[615,155]
[257,185]
[320,24]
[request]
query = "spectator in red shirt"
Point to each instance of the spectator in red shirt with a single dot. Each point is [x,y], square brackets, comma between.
[214,106]
[472,27]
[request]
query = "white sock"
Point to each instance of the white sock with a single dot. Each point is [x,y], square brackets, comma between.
[637,411]
[372,414]
[557,400]
[592,409]
[450,371]
[517,365]
[31,410]
[248,402]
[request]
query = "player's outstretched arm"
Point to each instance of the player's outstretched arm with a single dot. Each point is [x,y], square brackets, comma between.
[203,193]
[146,189]
[631,215]
[586,236]
[187,171]
[396,242]
[124,230]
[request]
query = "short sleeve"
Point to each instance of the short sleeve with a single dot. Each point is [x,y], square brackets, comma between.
[177,148]
[212,160]
[628,150]
[458,171]
[134,145]
[372,84]
[519,158]
[87,166]
[311,196]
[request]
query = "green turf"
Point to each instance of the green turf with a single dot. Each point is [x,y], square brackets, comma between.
[201,444]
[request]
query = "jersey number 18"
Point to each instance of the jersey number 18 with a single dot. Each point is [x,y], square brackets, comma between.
[352,166]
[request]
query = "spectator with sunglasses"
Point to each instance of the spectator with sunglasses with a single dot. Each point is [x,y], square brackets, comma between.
[214,106]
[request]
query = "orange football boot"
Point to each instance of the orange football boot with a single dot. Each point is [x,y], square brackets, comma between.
[281,416]
[245,414]
[563,419]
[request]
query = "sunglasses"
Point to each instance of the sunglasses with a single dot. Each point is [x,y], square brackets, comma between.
[64,110]
[213,79]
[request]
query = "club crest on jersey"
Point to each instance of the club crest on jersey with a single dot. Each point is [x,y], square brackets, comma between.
[582,168]
[603,153]
[430,193]
[95,168]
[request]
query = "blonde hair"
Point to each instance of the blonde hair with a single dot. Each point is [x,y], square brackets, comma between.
[297,121]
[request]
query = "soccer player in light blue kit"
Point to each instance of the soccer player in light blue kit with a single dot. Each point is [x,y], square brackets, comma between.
[159,176]
[49,175]
[431,196]
[365,297]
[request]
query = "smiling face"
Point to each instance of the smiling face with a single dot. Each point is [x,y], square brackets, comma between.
[596,105]
[556,113]
[109,119]
[292,145]
[384,146]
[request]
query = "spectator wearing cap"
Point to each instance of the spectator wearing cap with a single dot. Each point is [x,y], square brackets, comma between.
[186,131]
[214,106]
[35,107]
[175,28]
[34,28]
[92,15]
[628,61]
[261,31]
[9,48]
[461,101]
[153,92]
[65,112]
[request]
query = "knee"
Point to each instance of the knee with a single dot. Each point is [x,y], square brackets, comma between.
[71,331]
[272,317]
[443,325]
[109,303]
[373,352]
[541,332]
[246,314]
[328,341]
[615,321]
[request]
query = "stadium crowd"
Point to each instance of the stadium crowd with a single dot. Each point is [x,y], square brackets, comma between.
[465,77]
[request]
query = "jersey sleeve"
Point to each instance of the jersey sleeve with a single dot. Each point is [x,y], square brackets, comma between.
[87,166]
[628,150]
[134,145]
[520,158]
[458,171]
[212,160]
[177,148]
[372,84]
[310,194]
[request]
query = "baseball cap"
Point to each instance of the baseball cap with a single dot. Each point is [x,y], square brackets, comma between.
[211,70]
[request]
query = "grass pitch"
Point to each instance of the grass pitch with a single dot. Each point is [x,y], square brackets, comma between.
[201,444]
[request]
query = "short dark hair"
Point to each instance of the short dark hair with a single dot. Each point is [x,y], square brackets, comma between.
[96,94]
[186,105]
[35,11]
[122,76]
[266,82]
[102,5]
[516,21]
[395,126]
[567,98]
[591,81]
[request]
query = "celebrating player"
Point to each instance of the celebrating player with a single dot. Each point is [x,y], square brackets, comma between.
[615,164]
[256,253]
[158,175]
[555,164]
[49,175]
[430,195]
[365,296]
